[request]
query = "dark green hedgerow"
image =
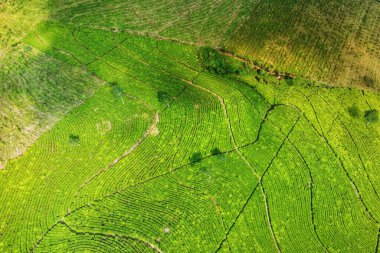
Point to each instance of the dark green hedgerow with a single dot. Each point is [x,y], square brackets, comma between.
[217,63]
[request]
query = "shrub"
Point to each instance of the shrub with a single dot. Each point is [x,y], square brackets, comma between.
[216,151]
[195,157]
[289,81]
[217,63]
[371,116]
[353,111]
[163,97]
[368,81]
[117,91]
[73,139]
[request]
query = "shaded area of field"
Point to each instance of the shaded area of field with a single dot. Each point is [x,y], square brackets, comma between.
[169,156]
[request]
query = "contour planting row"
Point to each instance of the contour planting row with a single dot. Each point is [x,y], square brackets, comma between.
[307,39]
[166,211]
[350,145]
[64,238]
[197,21]
[194,120]
[87,140]
[335,151]
[35,96]
[164,167]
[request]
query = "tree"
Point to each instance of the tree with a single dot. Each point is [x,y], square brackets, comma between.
[371,116]
[353,111]
[195,157]
[217,63]
[368,81]
[73,139]
[163,97]
[216,152]
[117,91]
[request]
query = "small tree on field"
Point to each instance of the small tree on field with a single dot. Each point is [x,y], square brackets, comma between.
[73,139]
[163,97]
[216,152]
[353,111]
[195,157]
[368,81]
[371,116]
[117,91]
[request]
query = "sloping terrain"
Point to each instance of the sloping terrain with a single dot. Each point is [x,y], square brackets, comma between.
[336,42]
[331,41]
[36,90]
[163,145]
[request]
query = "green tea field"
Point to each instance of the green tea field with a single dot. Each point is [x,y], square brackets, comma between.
[190,126]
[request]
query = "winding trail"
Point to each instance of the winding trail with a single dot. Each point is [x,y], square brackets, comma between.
[148,244]
[129,151]
[340,161]
[253,191]
[311,185]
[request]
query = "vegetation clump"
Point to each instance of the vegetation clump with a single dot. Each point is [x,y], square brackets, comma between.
[215,62]
[368,81]
[371,116]
[195,157]
[163,97]
[73,139]
[353,111]
[216,152]
[117,91]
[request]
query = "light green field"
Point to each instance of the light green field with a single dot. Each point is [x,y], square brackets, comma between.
[168,156]
[36,89]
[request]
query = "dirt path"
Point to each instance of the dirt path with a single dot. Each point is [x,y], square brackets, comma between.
[152,128]
[260,178]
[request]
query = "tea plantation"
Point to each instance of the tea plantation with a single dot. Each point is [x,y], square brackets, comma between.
[167,136]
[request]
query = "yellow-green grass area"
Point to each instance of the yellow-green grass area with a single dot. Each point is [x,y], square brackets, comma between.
[37,90]
[332,41]
[170,157]
[17,18]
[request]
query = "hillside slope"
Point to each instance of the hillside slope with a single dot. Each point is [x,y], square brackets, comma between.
[121,132]
[172,155]
[337,42]
[331,41]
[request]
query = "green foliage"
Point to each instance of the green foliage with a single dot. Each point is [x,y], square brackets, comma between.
[371,116]
[353,111]
[117,91]
[216,152]
[73,139]
[216,62]
[164,97]
[195,157]
[132,190]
